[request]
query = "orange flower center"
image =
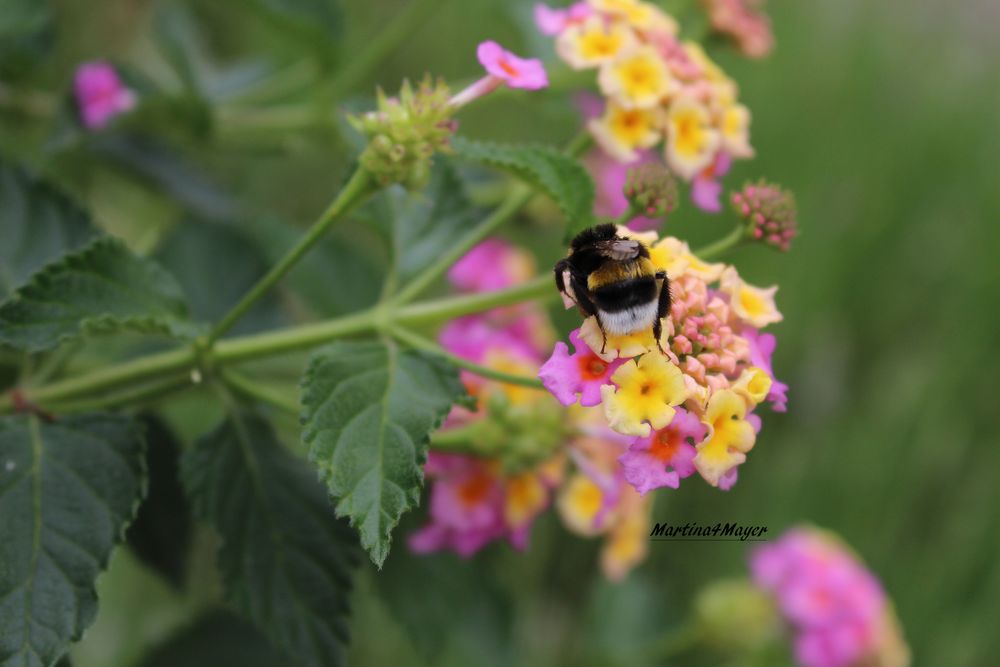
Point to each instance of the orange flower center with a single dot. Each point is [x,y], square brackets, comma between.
[508,68]
[665,444]
[592,367]
[473,490]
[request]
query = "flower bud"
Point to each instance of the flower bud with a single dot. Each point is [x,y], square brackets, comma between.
[651,190]
[769,211]
[735,616]
[405,133]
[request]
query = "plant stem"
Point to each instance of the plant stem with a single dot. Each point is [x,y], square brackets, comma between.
[143,395]
[726,243]
[518,197]
[630,212]
[256,346]
[420,343]
[360,65]
[357,188]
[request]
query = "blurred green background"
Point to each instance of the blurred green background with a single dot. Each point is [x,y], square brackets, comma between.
[883,117]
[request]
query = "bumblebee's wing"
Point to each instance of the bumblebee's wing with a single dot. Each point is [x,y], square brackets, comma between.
[620,250]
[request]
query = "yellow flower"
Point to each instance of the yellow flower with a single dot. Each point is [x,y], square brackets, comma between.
[620,131]
[526,496]
[641,15]
[624,346]
[647,391]
[592,43]
[647,238]
[637,79]
[628,541]
[675,257]
[753,385]
[736,131]
[579,504]
[755,305]
[729,437]
[692,141]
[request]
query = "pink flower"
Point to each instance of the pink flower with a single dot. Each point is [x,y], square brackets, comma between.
[466,507]
[491,265]
[835,606]
[665,457]
[516,72]
[761,348]
[745,23]
[552,21]
[706,188]
[582,373]
[100,94]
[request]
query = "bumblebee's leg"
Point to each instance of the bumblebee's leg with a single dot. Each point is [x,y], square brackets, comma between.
[559,269]
[588,308]
[662,309]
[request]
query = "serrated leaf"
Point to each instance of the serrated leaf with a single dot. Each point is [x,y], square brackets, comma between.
[99,289]
[368,411]
[161,533]
[67,491]
[558,175]
[286,562]
[427,223]
[38,224]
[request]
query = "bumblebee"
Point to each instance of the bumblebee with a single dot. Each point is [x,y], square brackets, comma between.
[612,278]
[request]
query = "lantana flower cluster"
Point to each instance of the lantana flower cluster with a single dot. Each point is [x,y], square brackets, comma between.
[836,609]
[686,402]
[530,454]
[658,88]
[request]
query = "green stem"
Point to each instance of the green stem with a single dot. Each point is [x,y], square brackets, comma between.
[631,211]
[514,202]
[360,65]
[353,193]
[429,346]
[143,395]
[256,346]
[249,388]
[723,245]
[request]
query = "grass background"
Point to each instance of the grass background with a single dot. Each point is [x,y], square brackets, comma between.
[883,117]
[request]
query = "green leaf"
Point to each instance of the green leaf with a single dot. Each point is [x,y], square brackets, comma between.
[558,175]
[285,560]
[38,224]
[67,491]
[368,411]
[319,19]
[99,289]
[217,638]
[220,255]
[426,223]
[26,34]
[161,533]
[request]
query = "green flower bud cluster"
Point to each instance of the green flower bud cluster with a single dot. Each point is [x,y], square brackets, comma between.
[651,190]
[405,132]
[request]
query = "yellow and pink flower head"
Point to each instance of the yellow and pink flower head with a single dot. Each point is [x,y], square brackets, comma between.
[658,89]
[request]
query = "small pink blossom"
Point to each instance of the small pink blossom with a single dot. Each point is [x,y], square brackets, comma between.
[100,94]
[491,265]
[582,373]
[666,456]
[835,606]
[516,72]
[553,20]
[706,188]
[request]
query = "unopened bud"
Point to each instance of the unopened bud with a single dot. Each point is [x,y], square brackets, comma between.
[735,616]
[651,190]
[769,211]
